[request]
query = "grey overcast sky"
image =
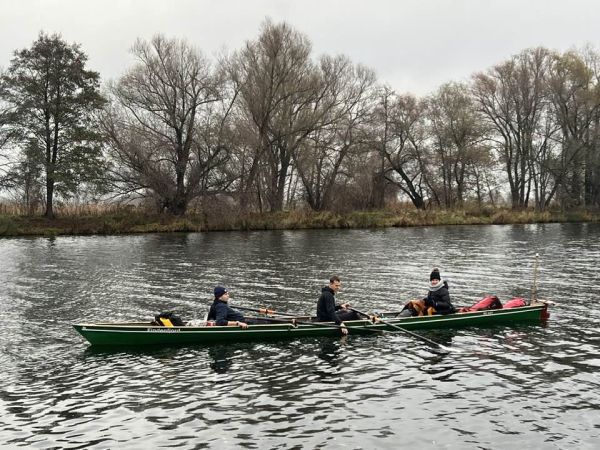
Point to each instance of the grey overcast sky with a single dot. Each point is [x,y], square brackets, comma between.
[413,45]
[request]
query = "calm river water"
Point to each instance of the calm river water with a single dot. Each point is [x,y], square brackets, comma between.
[509,387]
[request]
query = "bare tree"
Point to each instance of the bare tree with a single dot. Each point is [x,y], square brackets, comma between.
[575,95]
[483,177]
[5,136]
[512,96]
[457,135]
[347,92]
[591,56]
[166,124]
[399,135]
[282,99]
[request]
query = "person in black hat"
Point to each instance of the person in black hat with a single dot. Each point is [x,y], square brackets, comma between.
[438,296]
[222,313]
[328,311]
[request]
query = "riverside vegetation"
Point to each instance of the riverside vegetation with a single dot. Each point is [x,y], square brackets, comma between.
[133,220]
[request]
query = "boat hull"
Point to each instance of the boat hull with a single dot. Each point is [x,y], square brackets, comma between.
[137,334]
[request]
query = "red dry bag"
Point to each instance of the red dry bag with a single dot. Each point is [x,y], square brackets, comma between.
[489,302]
[515,303]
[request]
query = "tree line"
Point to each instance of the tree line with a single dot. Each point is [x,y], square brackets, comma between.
[271,126]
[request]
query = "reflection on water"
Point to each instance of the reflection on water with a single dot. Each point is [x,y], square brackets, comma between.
[530,386]
[221,356]
[330,351]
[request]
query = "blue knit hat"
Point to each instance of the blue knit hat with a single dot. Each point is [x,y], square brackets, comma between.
[220,291]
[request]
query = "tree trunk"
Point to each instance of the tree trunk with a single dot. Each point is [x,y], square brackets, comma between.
[49,198]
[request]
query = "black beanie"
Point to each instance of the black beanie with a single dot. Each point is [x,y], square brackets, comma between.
[435,274]
[220,291]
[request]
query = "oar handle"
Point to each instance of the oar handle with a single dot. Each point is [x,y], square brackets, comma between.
[290,321]
[363,314]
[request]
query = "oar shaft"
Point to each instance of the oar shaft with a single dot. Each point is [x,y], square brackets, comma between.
[418,336]
[266,311]
[404,330]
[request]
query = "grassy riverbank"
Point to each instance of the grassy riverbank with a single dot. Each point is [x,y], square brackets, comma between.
[125,222]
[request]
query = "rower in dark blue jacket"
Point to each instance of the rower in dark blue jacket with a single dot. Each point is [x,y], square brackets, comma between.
[222,313]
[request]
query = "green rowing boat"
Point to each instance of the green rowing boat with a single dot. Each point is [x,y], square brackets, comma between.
[134,334]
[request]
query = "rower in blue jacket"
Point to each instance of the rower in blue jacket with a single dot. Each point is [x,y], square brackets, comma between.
[222,313]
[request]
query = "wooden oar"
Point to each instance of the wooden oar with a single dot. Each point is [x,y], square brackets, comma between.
[418,336]
[266,311]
